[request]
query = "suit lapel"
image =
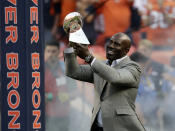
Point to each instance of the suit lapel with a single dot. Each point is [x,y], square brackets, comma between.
[103,82]
[103,88]
[102,85]
[116,67]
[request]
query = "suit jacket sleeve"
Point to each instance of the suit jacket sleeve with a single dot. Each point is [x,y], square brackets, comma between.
[127,75]
[76,71]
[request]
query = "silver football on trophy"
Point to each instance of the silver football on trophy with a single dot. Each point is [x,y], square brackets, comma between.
[72,22]
[73,26]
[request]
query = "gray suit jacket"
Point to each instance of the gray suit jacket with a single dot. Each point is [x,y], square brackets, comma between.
[115,91]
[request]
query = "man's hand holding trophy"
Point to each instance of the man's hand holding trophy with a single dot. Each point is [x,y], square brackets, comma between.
[77,39]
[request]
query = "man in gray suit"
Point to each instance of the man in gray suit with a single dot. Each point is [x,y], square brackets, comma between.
[115,82]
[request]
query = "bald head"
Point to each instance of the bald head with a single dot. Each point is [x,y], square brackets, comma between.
[121,36]
[118,46]
[125,40]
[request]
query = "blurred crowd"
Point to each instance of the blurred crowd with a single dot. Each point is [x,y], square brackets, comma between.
[151,26]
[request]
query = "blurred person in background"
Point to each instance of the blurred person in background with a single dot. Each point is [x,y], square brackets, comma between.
[59,90]
[67,6]
[109,19]
[146,99]
[54,14]
[87,10]
[116,83]
[51,12]
[152,89]
[145,48]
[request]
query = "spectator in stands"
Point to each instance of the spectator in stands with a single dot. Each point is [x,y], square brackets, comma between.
[150,96]
[86,9]
[54,13]
[67,6]
[59,90]
[158,17]
[51,11]
[146,97]
[110,19]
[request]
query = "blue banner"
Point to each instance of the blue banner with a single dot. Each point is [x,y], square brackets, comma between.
[22,63]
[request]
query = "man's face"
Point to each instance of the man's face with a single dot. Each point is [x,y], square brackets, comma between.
[51,52]
[116,49]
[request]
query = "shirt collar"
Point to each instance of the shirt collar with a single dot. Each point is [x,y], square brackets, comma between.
[117,61]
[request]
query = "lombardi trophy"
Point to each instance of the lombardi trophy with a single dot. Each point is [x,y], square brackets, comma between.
[73,25]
